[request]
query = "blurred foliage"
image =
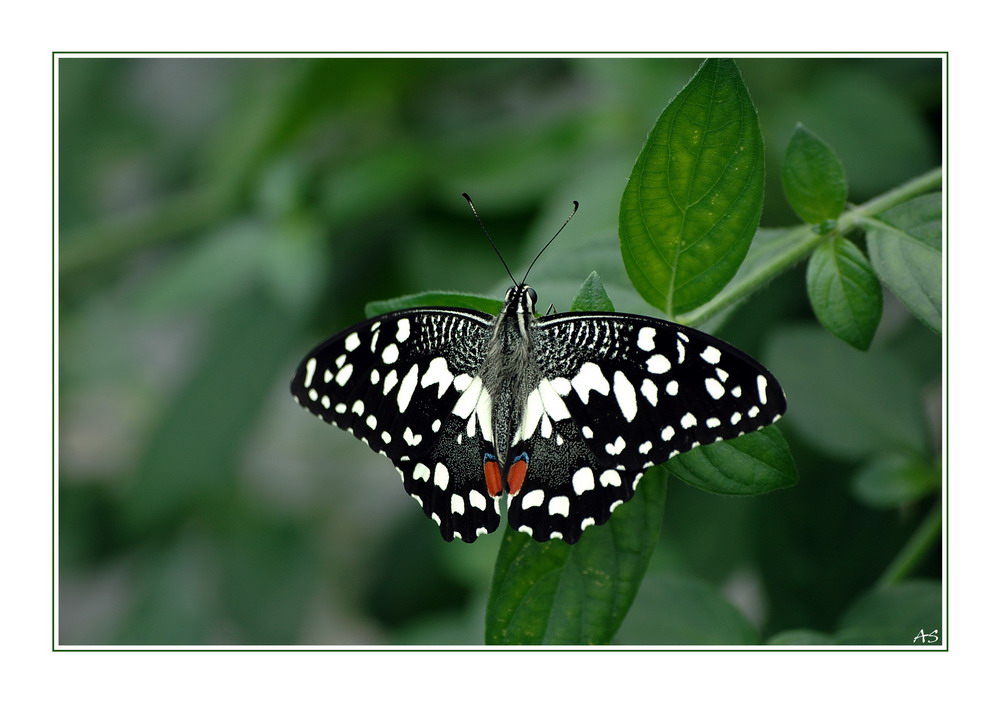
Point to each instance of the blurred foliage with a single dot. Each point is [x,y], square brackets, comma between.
[219,216]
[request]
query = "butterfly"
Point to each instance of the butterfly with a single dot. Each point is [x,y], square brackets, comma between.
[562,413]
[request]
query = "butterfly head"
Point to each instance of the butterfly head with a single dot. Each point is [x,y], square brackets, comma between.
[520,299]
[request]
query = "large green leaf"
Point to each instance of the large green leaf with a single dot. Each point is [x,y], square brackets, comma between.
[904,244]
[844,292]
[556,593]
[750,464]
[693,201]
[814,179]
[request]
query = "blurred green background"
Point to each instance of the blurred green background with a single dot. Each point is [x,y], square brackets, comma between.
[219,216]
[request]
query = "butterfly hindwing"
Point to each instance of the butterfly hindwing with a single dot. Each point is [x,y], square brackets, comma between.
[618,394]
[396,382]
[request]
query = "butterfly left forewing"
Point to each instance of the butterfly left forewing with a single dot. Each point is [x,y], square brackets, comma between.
[402,383]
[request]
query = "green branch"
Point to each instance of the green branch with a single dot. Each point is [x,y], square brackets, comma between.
[916,548]
[805,241]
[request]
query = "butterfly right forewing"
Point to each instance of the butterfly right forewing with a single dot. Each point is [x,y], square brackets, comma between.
[618,394]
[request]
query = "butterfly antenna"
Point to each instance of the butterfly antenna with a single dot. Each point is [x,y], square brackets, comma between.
[495,249]
[576,205]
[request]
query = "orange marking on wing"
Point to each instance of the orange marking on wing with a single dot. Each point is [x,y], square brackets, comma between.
[494,484]
[515,477]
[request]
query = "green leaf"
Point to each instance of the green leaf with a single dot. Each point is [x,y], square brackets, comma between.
[769,246]
[750,464]
[904,244]
[814,179]
[556,593]
[673,609]
[845,294]
[894,615]
[434,299]
[895,479]
[592,296]
[694,199]
[847,403]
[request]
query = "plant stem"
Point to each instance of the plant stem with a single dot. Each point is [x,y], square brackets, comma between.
[900,194]
[805,243]
[922,540]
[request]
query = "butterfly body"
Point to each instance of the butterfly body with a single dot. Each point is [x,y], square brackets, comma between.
[562,413]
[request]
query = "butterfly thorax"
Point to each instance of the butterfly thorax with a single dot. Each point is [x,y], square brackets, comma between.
[508,370]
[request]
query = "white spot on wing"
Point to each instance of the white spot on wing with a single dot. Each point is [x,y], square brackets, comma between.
[344,374]
[440,476]
[477,500]
[421,472]
[484,412]
[410,438]
[390,354]
[533,410]
[390,382]
[711,355]
[406,388]
[351,342]
[645,341]
[552,401]
[617,447]
[762,389]
[466,403]
[610,477]
[625,395]
[688,421]
[457,504]
[403,329]
[583,480]
[590,378]
[310,370]
[648,390]
[438,373]
[657,364]
[562,385]
[559,505]
[714,388]
[533,498]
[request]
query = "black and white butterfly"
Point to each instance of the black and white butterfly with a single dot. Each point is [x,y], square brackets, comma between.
[563,412]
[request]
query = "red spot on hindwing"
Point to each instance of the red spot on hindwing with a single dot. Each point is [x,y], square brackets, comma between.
[515,477]
[494,483]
